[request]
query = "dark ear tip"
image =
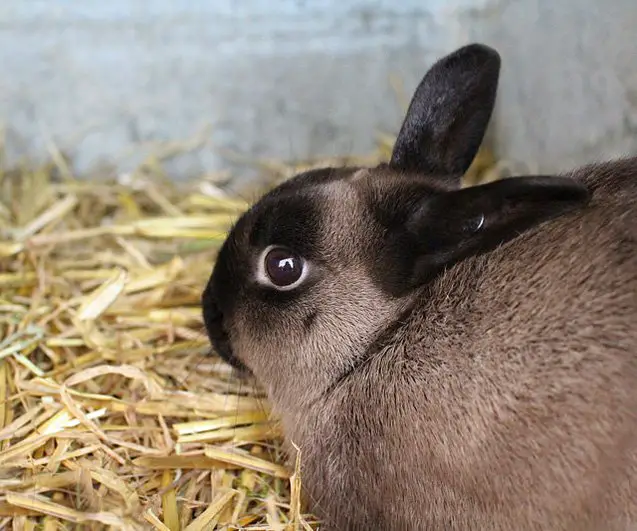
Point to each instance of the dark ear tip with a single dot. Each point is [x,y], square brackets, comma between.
[577,189]
[556,186]
[584,193]
[480,56]
[480,50]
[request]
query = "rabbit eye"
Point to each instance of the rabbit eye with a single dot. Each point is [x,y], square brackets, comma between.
[283,268]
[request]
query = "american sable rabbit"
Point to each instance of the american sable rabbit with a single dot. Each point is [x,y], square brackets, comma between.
[445,358]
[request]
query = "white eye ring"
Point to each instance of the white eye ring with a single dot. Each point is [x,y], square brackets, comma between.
[263,278]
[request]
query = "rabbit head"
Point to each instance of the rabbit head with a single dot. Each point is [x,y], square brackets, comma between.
[326,261]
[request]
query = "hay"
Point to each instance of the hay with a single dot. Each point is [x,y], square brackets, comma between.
[113,413]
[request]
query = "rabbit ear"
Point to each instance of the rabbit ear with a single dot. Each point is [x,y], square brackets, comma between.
[448,114]
[448,227]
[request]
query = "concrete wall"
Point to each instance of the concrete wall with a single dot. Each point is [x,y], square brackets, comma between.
[297,78]
[569,81]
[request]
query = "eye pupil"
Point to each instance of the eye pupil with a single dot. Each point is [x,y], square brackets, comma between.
[283,267]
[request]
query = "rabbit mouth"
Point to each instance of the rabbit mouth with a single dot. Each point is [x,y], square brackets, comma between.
[221,345]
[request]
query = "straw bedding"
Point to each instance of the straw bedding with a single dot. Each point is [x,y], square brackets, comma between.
[114,414]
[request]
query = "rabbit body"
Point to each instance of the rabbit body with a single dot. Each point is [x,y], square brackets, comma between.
[445,358]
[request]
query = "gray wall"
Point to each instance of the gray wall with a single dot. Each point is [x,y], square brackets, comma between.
[297,78]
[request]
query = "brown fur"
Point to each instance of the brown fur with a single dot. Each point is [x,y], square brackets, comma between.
[515,411]
[501,395]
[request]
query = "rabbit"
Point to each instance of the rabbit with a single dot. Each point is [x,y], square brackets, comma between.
[444,357]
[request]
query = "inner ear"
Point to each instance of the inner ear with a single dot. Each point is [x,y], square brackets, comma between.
[451,226]
[449,114]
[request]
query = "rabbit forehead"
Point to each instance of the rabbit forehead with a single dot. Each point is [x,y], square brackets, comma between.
[293,219]
[309,215]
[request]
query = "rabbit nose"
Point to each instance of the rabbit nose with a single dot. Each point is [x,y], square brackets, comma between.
[212,314]
[215,327]
[213,317]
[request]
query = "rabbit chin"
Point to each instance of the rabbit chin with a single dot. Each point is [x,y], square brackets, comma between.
[223,348]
